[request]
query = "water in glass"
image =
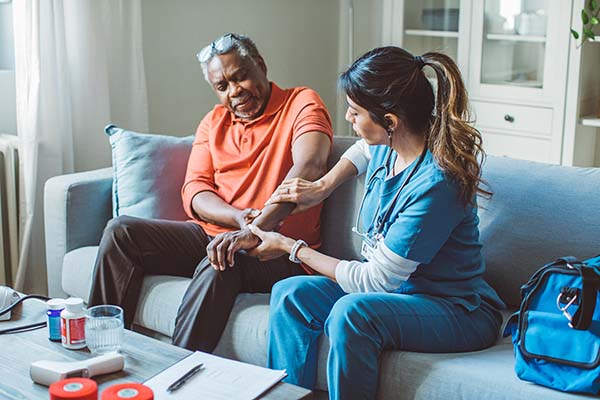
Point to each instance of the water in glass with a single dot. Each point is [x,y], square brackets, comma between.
[104,329]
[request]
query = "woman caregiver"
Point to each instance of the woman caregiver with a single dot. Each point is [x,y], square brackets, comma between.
[420,286]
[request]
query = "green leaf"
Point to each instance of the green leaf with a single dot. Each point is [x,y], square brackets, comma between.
[587,32]
[594,21]
[575,34]
[593,5]
[584,17]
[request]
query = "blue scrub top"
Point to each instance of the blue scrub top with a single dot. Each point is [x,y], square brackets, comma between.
[429,224]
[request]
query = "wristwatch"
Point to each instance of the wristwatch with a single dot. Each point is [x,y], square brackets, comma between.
[293,254]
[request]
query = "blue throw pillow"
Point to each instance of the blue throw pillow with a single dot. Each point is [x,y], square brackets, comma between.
[148,173]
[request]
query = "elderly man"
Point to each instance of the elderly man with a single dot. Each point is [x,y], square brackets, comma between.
[255,138]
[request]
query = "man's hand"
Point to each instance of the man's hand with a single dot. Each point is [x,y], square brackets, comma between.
[221,250]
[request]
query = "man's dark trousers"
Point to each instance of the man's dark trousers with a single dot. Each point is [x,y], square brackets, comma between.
[132,248]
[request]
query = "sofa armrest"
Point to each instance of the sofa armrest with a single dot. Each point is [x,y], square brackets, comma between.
[76,210]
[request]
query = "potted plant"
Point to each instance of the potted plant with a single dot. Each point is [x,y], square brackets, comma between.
[590,14]
[589,18]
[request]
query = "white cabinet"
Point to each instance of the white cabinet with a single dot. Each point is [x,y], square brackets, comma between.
[527,80]
[518,75]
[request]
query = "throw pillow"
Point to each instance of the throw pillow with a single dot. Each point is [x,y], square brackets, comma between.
[148,173]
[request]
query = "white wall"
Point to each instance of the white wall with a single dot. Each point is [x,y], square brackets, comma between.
[360,28]
[297,38]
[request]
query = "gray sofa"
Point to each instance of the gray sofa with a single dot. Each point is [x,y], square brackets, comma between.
[539,212]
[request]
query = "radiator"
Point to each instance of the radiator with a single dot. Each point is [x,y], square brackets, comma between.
[9,208]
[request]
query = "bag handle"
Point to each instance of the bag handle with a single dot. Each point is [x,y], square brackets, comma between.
[567,260]
[591,284]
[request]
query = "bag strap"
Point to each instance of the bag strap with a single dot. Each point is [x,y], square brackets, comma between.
[591,284]
[567,260]
[533,280]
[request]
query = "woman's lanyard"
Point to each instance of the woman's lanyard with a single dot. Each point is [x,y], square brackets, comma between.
[370,240]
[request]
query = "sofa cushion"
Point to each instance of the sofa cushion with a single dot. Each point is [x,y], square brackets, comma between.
[149,171]
[159,301]
[485,374]
[78,268]
[340,209]
[245,336]
[539,212]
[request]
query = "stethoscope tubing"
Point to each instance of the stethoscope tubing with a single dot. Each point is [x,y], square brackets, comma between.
[381,221]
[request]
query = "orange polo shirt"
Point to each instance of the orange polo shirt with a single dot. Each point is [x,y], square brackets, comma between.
[243,162]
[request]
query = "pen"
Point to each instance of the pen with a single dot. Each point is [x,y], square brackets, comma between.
[186,377]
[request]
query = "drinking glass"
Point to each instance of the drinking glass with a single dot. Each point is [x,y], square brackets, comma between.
[104,328]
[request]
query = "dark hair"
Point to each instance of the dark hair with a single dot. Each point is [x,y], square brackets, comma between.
[391,80]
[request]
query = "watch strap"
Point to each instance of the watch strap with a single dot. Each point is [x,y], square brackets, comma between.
[294,252]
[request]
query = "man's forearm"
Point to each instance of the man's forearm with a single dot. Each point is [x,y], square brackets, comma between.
[273,214]
[211,208]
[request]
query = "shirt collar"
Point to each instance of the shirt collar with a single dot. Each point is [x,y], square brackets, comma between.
[276,100]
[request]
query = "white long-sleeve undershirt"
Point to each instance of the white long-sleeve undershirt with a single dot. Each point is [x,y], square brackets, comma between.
[359,155]
[385,272]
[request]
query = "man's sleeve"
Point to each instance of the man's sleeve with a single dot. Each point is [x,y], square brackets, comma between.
[312,115]
[199,176]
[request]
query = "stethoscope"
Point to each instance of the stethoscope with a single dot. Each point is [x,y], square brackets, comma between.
[380,220]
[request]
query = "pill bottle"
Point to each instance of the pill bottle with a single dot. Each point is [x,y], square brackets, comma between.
[72,324]
[55,306]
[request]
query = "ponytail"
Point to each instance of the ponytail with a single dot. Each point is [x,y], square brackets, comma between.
[453,141]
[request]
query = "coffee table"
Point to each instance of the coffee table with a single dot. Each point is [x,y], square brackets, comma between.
[144,358]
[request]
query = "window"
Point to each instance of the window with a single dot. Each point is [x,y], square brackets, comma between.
[8,122]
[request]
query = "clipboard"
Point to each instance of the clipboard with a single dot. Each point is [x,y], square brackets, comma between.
[220,379]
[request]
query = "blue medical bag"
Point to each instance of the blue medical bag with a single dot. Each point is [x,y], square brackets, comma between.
[556,332]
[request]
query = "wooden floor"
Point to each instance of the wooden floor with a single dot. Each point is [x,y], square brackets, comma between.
[144,358]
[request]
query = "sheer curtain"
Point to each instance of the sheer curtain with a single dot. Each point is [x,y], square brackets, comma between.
[78,66]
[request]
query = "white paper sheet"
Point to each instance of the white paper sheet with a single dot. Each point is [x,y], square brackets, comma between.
[220,379]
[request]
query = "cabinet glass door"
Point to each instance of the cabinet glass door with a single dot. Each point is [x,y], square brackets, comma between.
[514,42]
[433,25]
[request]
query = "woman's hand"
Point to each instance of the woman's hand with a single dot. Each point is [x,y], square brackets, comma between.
[272,244]
[305,194]
[247,215]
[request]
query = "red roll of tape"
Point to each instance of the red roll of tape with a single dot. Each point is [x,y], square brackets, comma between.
[74,389]
[127,391]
